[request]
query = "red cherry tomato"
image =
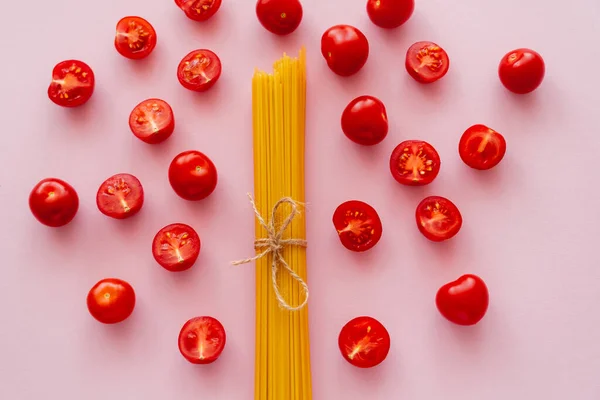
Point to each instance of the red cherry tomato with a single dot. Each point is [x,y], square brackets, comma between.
[345,49]
[522,71]
[111,301]
[199,70]
[135,38]
[152,121]
[426,62]
[390,14]
[72,83]
[438,218]
[415,163]
[193,175]
[176,247]
[120,196]
[280,17]
[202,340]
[53,202]
[365,121]
[199,10]
[464,301]
[364,342]
[481,147]
[358,225]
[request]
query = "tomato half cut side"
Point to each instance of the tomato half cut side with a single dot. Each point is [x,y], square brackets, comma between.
[358,225]
[481,147]
[152,121]
[280,17]
[192,175]
[365,121]
[522,70]
[199,10]
[120,196]
[111,301]
[176,247]
[72,83]
[202,340]
[199,70]
[390,14]
[135,38]
[53,202]
[464,301]
[426,62]
[364,342]
[415,163]
[345,48]
[438,218]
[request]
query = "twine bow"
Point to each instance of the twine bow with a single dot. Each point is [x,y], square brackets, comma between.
[274,244]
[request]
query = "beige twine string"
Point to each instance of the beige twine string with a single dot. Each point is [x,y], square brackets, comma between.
[274,244]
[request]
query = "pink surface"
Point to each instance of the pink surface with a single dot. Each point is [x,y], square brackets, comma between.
[531,225]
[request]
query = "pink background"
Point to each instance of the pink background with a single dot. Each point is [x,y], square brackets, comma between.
[531,225]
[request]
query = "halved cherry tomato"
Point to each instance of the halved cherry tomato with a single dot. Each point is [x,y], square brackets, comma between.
[135,38]
[365,121]
[280,17]
[464,301]
[438,218]
[522,71]
[193,175]
[415,163]
[202,340]
[358,225]
[199,10]
[481,147]
[152,121]
[72,83]
[364,342]
[176,247]
[111,301]
[390,14]
[199,70]
[426,62]
[120,196]
[53,202]
[345,48]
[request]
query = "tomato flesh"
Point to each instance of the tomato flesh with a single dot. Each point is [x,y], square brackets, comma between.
[193,175]
[364,342]
[390,14]
[72,83]
[415,163]
[202,340]
[464,301]
[438,219]
[111,301]
[152,121]
[53,202]
[199,70]
[481,147]
[426,62]
[176,247]
[365,121]
[345,48]
[280,17]
[199,10]
[522,71]
[120,196]
[135,38]
[358,225]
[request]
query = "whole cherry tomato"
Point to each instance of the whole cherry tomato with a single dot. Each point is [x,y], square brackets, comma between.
[199,70]
[438,219]
[364,342]
[202,340]
[415,163]
[152,121]
[120,196]
[53,202]
[365,121]
[390,14]
[481,147]
[426,62]
[522,71]
[135,38]
[199,10]
[72,83]
[193,175]
[358,225]
[111,301]
[464,301]
[280,17]
[176,247]
[345,48]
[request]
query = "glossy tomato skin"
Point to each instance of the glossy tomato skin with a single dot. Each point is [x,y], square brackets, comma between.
[365,121]
[345,48]
[280,17]
[199,70]
[202,340]
[152,121]
[390,14]
[358,225]
[53,202]
[111,301]
[426,62]
[415,163]
[463,301]
[481,147]
[193,175]
[199,10]
[72,84]
[438,218]
[135,38]
[522,71]
[176,247]
[364,342]
[121,196]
